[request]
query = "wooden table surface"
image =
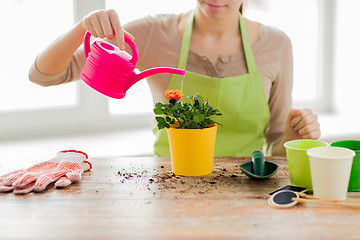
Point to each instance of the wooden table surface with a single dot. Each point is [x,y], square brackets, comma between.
[139,198]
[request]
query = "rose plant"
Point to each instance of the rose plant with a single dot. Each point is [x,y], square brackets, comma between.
[194,113]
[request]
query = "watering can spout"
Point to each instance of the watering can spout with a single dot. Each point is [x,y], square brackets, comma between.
[157,70]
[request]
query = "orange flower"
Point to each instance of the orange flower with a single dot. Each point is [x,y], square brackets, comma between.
[174,94]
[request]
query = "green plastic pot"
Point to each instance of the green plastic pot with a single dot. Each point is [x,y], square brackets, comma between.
[298,161]
[354,182]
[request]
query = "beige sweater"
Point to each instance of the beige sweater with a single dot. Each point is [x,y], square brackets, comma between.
[159,44]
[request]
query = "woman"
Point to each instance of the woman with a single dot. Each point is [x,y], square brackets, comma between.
[245,68]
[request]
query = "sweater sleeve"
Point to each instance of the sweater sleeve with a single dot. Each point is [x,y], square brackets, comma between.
[280,100]
[71,73]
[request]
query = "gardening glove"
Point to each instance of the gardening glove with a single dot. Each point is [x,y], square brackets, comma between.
[63,169]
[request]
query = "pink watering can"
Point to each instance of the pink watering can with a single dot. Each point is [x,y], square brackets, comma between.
[110,71]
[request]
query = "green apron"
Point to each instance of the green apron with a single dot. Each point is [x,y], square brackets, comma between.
[241,100]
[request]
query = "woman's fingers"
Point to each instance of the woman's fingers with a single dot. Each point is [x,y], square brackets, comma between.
[311,130]
[305,123]
[129,35]
[117,29]
[293,117]
[106,23]
[96,25]
[306,117]
[313,134]
[88,26]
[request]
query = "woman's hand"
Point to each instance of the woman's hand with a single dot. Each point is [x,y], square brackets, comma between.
[106,23]
[302,124]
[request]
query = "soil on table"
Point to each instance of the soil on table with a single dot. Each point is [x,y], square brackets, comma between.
[227,179]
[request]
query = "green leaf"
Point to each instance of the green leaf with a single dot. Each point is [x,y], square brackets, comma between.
[159,105]
[198,117]
[167,111]
[161,126]
[177,115]
[158,111]
[160,120]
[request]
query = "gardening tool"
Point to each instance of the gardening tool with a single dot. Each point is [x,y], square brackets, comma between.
[258,163]
[288,198]
[110,71]
[258,168]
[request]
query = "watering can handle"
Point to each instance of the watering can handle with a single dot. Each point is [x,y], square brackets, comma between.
[131,43]
[134,50]
[87,44]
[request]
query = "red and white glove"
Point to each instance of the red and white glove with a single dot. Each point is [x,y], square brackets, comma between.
[63,169]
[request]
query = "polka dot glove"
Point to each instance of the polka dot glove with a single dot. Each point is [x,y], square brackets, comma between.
[63,169]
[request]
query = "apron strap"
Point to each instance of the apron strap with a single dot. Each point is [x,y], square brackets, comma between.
[249,56]
[185,43]
[186,40]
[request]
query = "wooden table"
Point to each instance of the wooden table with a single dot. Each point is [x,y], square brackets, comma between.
[139,198]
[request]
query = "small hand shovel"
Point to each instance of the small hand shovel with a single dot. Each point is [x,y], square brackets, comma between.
[258,168]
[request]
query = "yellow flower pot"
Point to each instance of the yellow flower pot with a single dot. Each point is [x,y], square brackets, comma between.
[192,150]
